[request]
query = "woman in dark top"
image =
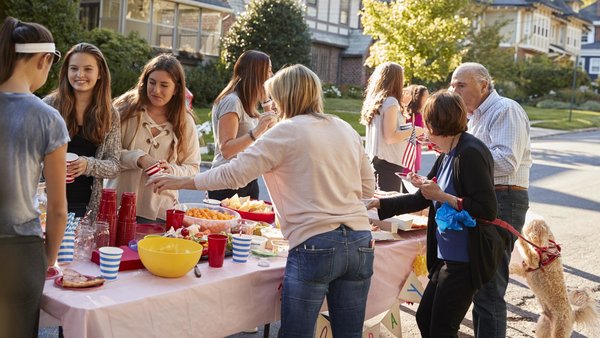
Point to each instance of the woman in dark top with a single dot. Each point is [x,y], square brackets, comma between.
[459,261]
[83,99]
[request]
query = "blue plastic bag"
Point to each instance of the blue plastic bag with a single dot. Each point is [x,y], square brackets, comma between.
[449,218]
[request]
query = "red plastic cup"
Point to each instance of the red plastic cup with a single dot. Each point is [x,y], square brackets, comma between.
[153,169]
[216,250]
[175,218]
[70,158]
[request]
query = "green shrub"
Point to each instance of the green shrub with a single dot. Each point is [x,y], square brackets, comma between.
[59,16]
[580,96]
[553,104]
[331,91]
[590,105]
[352,92]
[276,27]
[125,55]
[206,82]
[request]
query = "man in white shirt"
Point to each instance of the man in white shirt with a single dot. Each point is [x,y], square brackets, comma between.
[503,126]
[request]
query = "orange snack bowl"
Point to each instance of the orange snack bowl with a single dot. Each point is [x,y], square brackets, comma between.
[215,226]
[169,257]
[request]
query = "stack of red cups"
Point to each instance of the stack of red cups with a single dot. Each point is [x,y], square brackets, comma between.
[108,213]
[126,223]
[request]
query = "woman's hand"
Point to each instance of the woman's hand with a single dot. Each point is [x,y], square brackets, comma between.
[431,190]
[416,179]
[77,167]
[265,121]
[166,167]
[372,203]
[159,183]
[146,161]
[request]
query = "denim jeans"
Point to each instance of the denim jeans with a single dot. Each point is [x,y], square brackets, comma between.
[489,310]
[337,264]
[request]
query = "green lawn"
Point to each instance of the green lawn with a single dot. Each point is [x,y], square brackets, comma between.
[559,118]
[349,111]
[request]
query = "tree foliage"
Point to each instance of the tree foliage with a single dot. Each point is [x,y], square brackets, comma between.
[125,55]
[276,27]
[206,81]
[484,47]
[59,16]
[540,74]
[423,36]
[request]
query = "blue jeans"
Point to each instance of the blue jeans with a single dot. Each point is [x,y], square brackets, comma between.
[489,310]
[337,264]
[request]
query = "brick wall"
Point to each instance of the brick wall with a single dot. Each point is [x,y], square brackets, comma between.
[353,71]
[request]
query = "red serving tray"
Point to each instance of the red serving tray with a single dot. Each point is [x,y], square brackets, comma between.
[129,261]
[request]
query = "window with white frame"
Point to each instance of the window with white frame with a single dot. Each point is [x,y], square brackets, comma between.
[595,66]
[581,63]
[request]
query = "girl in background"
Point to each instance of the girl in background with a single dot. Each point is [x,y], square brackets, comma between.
[415,95]
[156,127]
[83,99]
[381,114]
[32,134]
[236,121]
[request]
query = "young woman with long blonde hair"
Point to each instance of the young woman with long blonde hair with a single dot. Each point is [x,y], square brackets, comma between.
[382,115]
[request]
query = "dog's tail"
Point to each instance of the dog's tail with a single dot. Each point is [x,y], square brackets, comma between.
[585,309]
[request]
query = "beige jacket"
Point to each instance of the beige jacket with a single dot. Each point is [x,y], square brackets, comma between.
[138,141]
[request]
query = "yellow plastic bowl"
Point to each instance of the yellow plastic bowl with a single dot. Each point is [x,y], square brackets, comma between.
[169,257]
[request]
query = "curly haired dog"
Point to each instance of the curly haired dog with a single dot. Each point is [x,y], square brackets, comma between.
[545,278]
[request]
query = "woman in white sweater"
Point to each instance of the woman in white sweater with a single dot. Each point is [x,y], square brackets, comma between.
[316,171]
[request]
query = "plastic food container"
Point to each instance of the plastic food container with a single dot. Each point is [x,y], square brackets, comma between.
[268,217]
[212,225]
[280,247]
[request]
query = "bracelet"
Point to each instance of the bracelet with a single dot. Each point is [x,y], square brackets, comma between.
[251,135]
[459,203]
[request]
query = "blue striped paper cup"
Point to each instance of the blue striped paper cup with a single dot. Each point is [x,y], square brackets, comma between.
[110,259]
[241,247]
[67,248]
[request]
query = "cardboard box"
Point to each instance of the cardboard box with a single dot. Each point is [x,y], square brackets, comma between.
[401,222]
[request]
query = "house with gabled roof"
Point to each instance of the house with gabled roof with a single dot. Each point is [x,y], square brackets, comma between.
[534,27]
[184,27]
[590,42]
[339,48]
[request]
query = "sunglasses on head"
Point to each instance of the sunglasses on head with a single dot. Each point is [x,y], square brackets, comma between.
[56,56]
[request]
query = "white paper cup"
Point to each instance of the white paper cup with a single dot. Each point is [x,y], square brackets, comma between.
[67,248]
[110,259]
[71,158]
[153,169]
[241,247]
[258,243]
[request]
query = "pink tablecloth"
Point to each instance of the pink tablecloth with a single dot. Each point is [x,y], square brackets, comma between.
[224,301]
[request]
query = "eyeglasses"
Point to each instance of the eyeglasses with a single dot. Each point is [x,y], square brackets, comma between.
[56,56]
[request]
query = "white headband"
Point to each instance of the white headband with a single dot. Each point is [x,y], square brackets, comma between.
[30,48]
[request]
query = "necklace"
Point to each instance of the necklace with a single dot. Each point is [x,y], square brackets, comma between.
[454,142]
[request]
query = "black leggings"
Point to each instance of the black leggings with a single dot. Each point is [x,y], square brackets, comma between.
[446,300]
[385,171]
[23,267]
[251,189]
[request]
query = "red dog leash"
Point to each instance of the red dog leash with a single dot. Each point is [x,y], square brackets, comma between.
[551,252]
